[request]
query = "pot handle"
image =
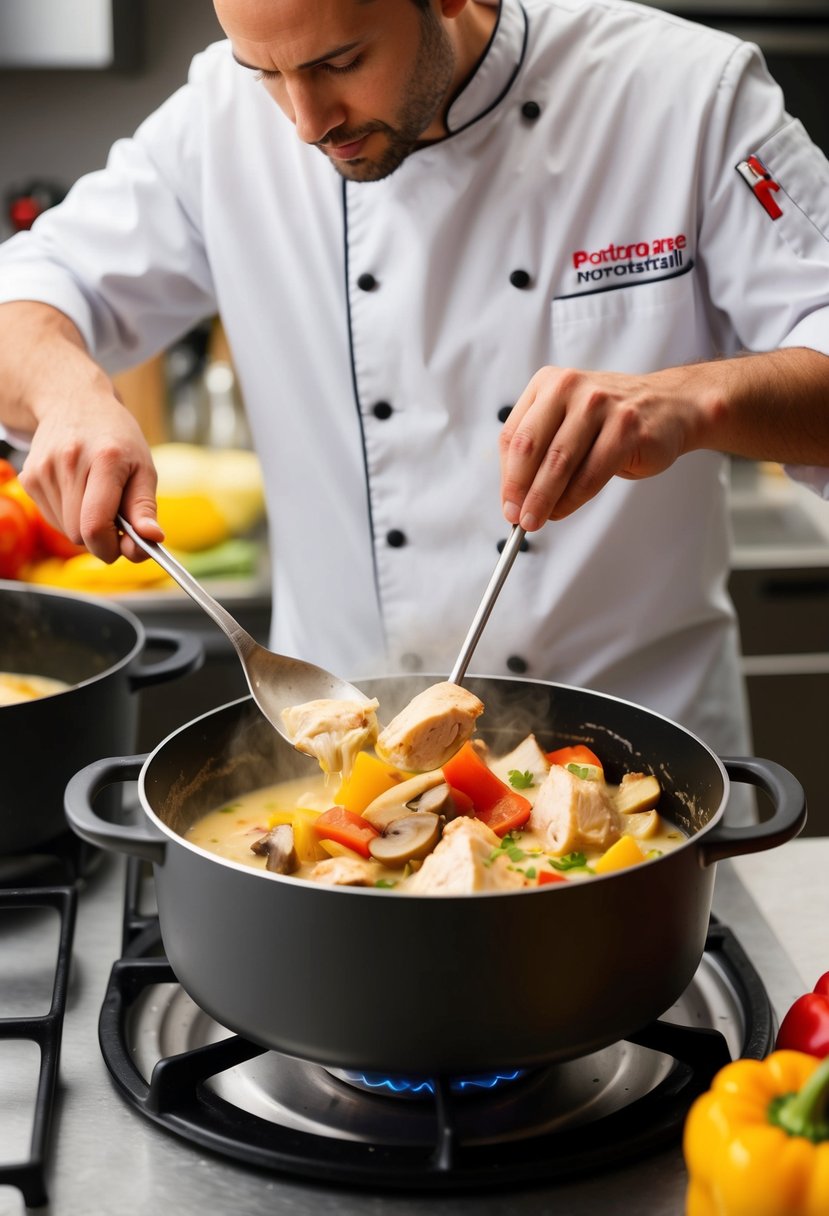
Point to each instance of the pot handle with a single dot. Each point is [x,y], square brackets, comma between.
[140,839]
[789,816]
[187,655]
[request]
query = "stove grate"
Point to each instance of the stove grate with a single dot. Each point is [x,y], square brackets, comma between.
[45,1030]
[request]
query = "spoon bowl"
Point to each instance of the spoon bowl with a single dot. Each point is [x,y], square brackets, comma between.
[276,681]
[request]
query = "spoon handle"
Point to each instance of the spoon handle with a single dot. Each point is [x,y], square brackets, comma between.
[508,554]
[240,638]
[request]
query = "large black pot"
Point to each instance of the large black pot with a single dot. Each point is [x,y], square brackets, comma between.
[94,646]
[367,978]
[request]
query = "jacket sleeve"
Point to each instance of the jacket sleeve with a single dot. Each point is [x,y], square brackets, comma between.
[123,254]
[764,235]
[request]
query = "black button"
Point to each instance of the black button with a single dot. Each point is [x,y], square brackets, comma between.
[396,538]
[531,110]
[523,547]
[411,662]
[516,664]
[366,282]
[504,413]
[382,410]
[519,278]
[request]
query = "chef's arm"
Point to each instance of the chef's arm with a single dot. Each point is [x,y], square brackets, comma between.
[571,431]
[87,457]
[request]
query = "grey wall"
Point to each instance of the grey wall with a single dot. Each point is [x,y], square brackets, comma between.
[60,124]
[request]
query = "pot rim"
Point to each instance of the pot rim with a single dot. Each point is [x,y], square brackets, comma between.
[114,609]
[630,873]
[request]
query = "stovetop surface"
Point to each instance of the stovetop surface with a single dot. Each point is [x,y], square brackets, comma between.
[107,1160]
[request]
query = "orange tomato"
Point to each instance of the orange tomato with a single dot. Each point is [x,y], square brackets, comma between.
[17,538]
[49,541]
[7,471]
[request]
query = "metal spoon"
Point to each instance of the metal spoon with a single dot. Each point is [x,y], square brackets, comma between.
[508,555]
[275,680]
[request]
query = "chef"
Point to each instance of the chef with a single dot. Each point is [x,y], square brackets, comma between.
[478,263]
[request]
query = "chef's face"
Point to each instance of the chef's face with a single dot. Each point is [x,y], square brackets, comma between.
[363,80]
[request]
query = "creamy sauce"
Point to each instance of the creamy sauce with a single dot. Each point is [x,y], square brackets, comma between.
[229,831]
[16,688]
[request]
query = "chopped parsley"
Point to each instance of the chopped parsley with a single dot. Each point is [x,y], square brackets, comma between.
[587,772]
[519,780]
[570,861]
[227,810]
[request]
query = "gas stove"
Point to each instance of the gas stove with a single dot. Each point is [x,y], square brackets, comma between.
[160,1108]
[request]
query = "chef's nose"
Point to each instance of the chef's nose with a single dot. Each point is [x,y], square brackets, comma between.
[313,110]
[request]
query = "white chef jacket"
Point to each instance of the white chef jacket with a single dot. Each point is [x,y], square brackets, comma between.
[585,209]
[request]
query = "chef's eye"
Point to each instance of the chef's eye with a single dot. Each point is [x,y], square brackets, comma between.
[339,69]
[264,74]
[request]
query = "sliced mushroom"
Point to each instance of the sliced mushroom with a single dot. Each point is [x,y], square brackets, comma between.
[636,793]
[278,847]
[440,800]
[407,839]
[394,803]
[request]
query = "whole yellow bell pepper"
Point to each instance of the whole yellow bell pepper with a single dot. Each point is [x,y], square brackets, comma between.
[757,1143]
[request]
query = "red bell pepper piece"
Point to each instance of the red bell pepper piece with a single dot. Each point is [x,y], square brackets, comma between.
[547,876]
[346,828]
[495,804]
[577,754]
[806,1026]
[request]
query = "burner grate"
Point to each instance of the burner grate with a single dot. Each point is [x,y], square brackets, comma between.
[183,1096]
[29,1176]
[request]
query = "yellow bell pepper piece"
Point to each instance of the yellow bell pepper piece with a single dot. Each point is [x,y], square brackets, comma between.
[741,1161]
[88,573]
[368,779]
[334,849]
[306,841]
[625,852]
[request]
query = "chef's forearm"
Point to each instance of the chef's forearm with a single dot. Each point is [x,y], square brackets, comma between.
[43,361]
[772,406]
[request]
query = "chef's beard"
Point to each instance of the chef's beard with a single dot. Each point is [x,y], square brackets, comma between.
[425,92]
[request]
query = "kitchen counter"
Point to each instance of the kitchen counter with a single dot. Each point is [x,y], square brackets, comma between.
[107,1160]
[776,522]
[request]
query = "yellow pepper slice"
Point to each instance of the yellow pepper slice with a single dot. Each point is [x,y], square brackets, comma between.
[369,778]
[625,852]
[306,842]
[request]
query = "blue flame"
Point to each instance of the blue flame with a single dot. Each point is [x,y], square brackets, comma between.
[415,1086]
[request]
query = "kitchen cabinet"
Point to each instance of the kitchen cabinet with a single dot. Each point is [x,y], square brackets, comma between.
[780,586]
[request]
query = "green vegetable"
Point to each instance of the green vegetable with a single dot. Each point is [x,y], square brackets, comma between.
[235,558]
[520,781]
[385,883]
[587,772]
[570,861]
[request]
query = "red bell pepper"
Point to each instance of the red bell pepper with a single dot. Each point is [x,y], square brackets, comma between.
[346,828]
[806,1026]
[495,804]
[547,876]
[577,754]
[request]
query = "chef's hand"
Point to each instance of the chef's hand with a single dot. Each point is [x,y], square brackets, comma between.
[571,431]
[88,458]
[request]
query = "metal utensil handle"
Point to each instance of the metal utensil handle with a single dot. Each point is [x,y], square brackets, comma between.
[508,554]
[241,639]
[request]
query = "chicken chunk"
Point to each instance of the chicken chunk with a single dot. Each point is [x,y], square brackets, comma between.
[332,731]
[527,757]
[431,728]
[574,814]
[344,872]
[463,863]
